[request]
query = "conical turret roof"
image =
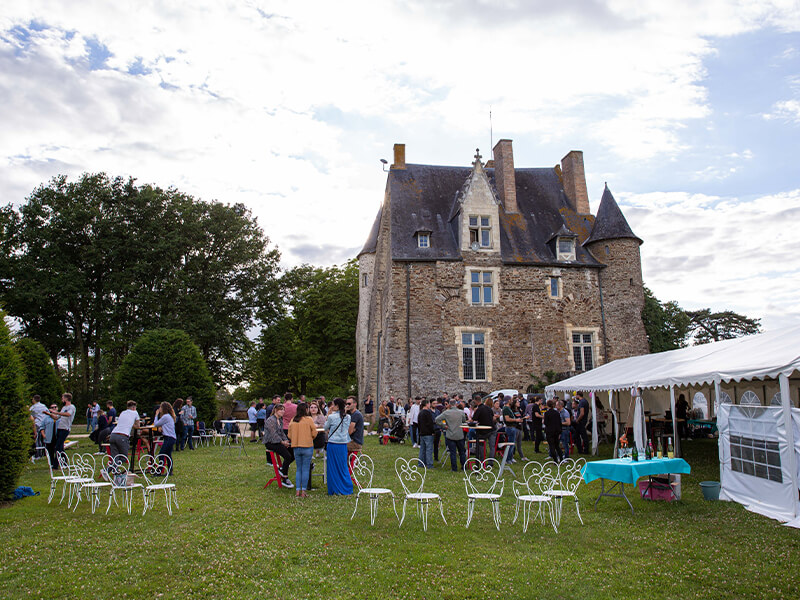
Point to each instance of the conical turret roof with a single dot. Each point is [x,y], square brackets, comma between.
[610,223]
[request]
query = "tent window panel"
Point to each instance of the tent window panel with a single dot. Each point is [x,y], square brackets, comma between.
[757,457]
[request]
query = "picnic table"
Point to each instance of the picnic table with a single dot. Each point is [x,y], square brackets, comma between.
[626,470]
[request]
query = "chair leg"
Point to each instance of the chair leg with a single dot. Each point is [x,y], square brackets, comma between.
[424,509]
[470,509]
[496,513]
[356,508]
[441,511]
[403,518]
[373,509]
[53,485]
[516,511]
[578,510]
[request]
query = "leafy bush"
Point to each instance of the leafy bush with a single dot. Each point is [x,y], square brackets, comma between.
[40,376]
[163,365]
[14,438]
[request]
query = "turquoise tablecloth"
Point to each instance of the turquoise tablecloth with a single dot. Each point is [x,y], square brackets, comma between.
[626,470]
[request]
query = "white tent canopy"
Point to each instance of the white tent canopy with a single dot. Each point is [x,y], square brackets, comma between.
[761,356]
[774,355]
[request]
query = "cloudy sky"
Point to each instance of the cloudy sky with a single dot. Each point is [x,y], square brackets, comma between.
[689,110]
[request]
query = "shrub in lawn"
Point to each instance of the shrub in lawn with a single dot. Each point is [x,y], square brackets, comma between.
[40,376]
[163,365]
[14,438]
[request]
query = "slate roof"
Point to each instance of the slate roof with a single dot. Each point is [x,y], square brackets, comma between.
[423,197]
[610,223]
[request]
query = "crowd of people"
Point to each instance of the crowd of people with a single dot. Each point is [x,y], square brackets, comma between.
[298,430]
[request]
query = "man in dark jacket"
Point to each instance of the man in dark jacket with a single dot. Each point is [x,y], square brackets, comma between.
[425,427]
[552,430]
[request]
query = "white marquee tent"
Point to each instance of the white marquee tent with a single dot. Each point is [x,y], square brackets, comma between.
[759,444]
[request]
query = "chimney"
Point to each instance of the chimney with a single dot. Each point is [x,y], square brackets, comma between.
[399,156]
[574,180]
[504,175]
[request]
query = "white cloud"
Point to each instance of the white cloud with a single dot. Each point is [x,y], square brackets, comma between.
[720,252]
[785,110]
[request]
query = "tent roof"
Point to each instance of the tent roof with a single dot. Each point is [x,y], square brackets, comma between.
[760,356]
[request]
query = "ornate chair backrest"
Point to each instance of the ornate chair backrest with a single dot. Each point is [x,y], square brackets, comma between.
[363,469]
[155,469]
[411,474]
[201,427]
[117,468]
[85,464]
[64,464]
[483,477]
[570,474]
[551,469]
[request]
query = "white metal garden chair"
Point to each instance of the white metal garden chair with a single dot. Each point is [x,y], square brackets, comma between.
[155,470]
[91,488]
[54,479]
[411,474]
[568,478]
[533,489]
[482,482]
[118,471]
[78,473]
[362,471]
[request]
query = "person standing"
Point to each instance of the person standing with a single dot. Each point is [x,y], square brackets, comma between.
[188,415]
[453,418]
[176,409]
[49,435]
[512,418]
[275,440]
[302,432]
[537,414]
[94,410]
[38,411]
[111,414]
[165,418]
[413,420]
[289,410]
[580,424]
[681,412]
[369,412]
[552,430]
[566,422]
[337,426]
[426,427]
[120,439]
[252,421]
[356,427]
[319,422]
[261,417]
[483,416]
[64,424]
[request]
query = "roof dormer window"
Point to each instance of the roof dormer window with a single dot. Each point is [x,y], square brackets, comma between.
[566,248]
[423,239]
[480,231]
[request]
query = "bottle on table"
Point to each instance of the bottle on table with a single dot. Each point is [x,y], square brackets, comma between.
[635,453]
[648,450]
[670,451]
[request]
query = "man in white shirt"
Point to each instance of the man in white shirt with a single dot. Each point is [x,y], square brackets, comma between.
[63,426]
[413,419]
[120,438]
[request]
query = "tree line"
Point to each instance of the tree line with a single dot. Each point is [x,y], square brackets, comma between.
[88,266]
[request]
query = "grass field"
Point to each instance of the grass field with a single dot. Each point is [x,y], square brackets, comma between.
[232,539]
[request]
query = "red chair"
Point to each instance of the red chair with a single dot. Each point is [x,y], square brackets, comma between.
[498,440]
[351,458]
[276,465]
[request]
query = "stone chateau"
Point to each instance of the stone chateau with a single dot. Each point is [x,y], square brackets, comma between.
[473,279]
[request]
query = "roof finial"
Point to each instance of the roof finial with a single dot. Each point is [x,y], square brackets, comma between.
[477,157]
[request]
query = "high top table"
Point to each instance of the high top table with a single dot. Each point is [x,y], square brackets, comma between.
[626,470]
[240,434]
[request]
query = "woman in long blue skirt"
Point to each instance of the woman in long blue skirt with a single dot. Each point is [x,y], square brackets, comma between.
[337,427]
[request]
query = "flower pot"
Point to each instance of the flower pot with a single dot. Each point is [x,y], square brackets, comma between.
[710,489]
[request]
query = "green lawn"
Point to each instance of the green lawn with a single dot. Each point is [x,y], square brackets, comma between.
[232,539]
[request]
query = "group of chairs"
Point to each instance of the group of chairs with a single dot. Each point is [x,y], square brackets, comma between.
[79,477]
[543,485]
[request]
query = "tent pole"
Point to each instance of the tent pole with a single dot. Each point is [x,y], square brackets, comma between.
[710,409]
[594,423]
[616,421]
[678,453]
[786,403]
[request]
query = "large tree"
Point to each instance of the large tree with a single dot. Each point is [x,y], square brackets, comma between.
[666,324]
[163,365]
[39,372]
[707,326]
[311,346]
[88,265]
[14,430]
